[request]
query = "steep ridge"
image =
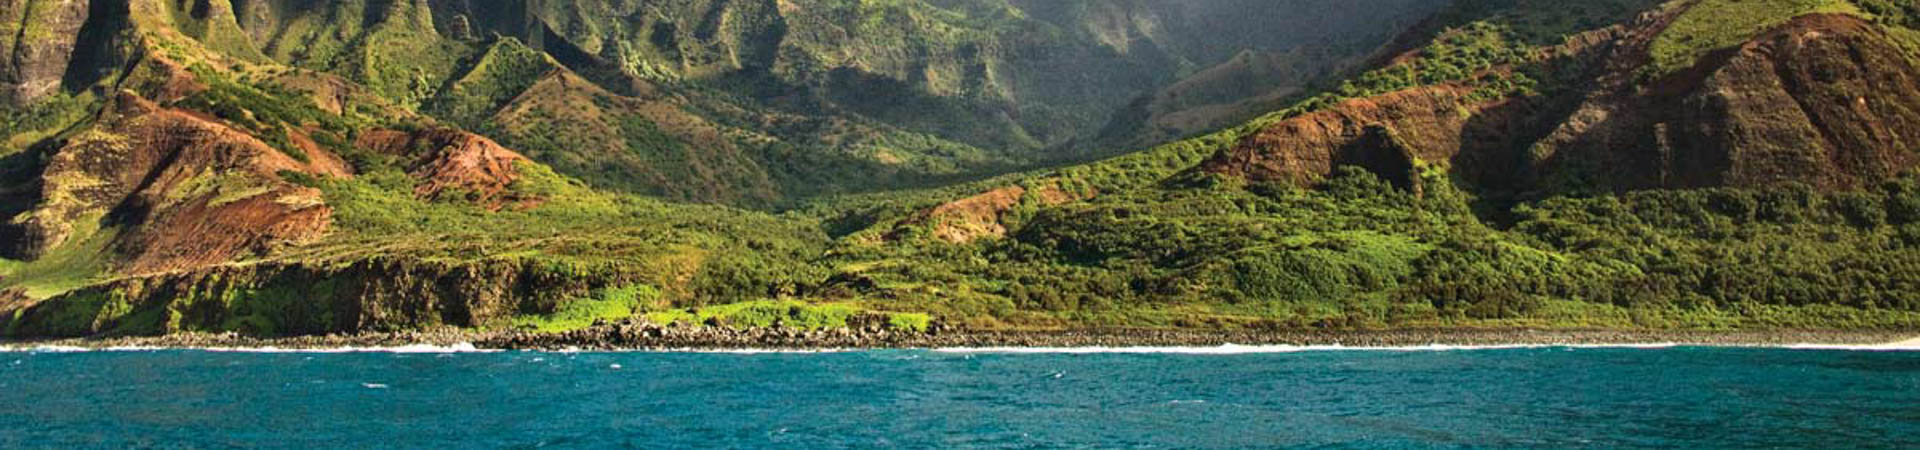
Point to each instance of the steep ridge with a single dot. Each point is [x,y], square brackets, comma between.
[184,189]
[1823,99]
[864,96]
[1827,100]
[37,41]
[648,141]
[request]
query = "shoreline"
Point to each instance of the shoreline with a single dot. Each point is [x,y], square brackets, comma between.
[629,337]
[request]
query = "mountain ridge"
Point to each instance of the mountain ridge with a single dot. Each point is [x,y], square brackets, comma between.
[287,168]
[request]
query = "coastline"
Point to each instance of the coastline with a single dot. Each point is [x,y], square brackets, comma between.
[630,337]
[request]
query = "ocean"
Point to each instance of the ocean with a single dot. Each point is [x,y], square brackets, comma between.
[1689,397]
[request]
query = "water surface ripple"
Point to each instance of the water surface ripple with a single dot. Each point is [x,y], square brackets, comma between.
[1515,397]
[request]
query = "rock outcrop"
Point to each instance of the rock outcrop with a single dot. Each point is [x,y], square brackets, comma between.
[37,42]
[983,216]
[1389,133]
[185,189]
[450,164]
[1830,101]
[380,294]
[1826,100]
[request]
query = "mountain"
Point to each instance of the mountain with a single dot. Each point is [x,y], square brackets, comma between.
[1817,94]
[307,167]
[1511,163]
[762,103]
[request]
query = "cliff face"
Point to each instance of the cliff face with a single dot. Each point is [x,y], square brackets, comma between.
[302,299]
[1827,100]
[37,42]
[1428,124]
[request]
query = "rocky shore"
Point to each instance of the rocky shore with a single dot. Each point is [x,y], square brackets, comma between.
[647,336]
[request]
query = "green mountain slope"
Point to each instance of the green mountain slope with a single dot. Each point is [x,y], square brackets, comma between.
[864,95]
[283,168]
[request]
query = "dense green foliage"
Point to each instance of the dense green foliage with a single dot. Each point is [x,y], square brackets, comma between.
[1362,254]
[606,305]
[1893,12]
[23,127]
[787,314]
[507,69]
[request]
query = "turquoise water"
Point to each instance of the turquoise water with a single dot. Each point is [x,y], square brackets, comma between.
[1534,397]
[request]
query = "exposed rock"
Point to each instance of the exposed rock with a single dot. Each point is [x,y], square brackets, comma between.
[1433,123]
[964,220]
[449,163]
[982,216]
[186,190]
[37,40]
[460,28]
[161,79]
[1826,100]
[380,294]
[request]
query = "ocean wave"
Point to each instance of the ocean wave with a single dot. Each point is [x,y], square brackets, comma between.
[1908,346]
[464,347]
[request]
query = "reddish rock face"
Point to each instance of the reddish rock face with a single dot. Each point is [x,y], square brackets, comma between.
[186,191]
[1434,123]
[983,216]
[448,163]
[1826,100]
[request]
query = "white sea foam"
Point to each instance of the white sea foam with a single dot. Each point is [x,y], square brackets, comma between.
[1905,346]
[47,349]
[464,347]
